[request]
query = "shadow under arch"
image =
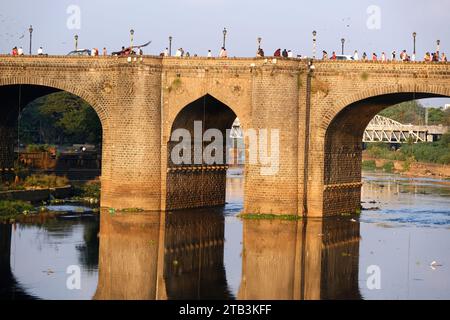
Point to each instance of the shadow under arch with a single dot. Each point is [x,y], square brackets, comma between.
[343,145]
[15,97]
[193,182]
[56,86]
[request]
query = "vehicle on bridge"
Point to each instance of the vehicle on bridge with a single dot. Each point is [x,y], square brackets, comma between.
[344,58]
[80,52]
[129,51]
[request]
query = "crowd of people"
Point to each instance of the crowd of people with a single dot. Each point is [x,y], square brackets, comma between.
[19,51]
[223,53]
[404,56]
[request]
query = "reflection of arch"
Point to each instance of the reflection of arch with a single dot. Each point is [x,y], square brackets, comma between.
[195,183]
[342,130]
[177,256]
[194,255]
[10,289]
[59,85]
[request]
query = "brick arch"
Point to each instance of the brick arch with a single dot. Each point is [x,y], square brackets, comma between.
[177,108]
[61,85]
[341,104]
[340,145]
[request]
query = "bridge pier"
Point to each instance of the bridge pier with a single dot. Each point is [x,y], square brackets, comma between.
[273,187]
[131,159]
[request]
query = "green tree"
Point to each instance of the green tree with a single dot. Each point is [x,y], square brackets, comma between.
[408,112]
[60,118]
[435,116]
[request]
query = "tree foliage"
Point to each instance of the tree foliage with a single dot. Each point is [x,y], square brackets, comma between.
[436,152]
[59,118]
[413,112]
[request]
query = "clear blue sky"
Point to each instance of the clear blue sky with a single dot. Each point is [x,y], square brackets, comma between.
[197,25]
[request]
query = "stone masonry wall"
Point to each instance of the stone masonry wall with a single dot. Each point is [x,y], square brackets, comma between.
[138,101]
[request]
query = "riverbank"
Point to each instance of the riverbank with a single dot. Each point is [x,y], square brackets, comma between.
[38,194]
[16,211]
[407,168]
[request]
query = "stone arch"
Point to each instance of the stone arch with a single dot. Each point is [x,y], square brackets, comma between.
[340,135]
[330,115]
[198,183]
[239,108]
[61,85]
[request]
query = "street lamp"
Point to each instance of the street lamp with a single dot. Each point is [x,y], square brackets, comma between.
[132,39]
[31,36]
[343,44]
[259,42]
[224,36]
[414,40]
[314,43]
[438,48]
[170,46]
[76,42]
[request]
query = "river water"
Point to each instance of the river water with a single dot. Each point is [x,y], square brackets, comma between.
[400,249]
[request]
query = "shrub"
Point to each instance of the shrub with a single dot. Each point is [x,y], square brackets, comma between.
[45,181]
[38,148]
[369,165]
[12,208]
[88,190]
[388,167]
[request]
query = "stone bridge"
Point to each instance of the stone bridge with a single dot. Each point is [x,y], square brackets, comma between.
[321,113]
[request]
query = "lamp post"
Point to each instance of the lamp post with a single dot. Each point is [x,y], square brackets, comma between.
[224,36]
[343,45]
[314,34]
[76,42]
[414,42]
[31,36]
[132,40]
[438,47]
[170,46]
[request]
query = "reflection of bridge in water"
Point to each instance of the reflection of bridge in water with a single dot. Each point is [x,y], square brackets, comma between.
[180,255]
[9,287]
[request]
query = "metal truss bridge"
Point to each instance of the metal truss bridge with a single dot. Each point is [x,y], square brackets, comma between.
[382,129]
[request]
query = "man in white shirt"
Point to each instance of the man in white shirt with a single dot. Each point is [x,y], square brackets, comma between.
[356,56]
[209,54]
[20,51]
[40,51]
[223,53]
[290,54]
